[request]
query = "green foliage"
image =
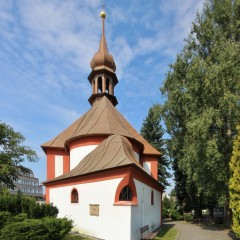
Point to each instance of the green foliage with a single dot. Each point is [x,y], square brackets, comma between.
[12,153]
[31,229]
[5,218]
[34,229]
[19,203]
[153,131]
[165,212]
[234,184]
[169,202]
[57,227]
[188,217]
[202,107]
[175,215]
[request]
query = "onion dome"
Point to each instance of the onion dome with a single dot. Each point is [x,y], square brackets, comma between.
[103,58]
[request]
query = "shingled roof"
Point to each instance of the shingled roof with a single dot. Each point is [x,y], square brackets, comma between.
[102,119]
[115,151]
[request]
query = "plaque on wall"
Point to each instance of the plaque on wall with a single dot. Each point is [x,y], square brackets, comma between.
[94,209]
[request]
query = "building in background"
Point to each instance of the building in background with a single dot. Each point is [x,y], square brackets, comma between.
[29,185]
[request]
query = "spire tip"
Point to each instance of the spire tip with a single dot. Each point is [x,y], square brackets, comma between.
[103,14]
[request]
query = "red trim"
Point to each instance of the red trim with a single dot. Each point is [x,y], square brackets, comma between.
[154,165]
[47,195]
[119,172]
[126,181]
[66,163]
[51,153]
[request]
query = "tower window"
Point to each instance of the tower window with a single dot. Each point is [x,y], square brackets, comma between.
[99,85]
[126,194]
[107,85]
[74,196]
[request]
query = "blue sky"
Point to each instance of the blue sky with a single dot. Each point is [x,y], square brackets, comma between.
[46,47]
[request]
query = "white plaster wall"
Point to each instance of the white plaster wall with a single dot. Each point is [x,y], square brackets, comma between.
[113,222]
[58,165]
[147,167]
[145,213]
[137,156]
[77,154]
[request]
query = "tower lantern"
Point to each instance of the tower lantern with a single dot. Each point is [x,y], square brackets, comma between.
[102,77]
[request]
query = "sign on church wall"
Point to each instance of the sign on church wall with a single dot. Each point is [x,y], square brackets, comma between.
[94,209]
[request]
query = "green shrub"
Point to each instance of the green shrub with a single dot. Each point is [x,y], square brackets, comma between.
[175,215]
[165,213]
[57,227]
[19,217]
[35,229]
[5,218]
[188,217]
[30,229]
[19,203]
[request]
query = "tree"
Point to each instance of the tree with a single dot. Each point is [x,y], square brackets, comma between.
[234,184]
[12,154]
[202,109]
[152,131]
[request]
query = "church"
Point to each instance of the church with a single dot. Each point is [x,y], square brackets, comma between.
[101,172]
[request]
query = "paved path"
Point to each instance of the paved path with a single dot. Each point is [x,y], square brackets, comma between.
[189,231]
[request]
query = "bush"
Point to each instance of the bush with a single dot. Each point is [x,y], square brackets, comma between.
[165,213]
[19,203]
[57,227]
[175,215]
[34,229]
[5,218]
[19,218]
[188,217]
[30,229]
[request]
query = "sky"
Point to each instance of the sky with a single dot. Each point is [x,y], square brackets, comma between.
[46,47]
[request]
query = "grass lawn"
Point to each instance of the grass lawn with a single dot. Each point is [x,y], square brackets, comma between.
[167,233]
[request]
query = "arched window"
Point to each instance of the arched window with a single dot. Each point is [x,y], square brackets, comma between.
[74,196]
[152,198]
[126,194]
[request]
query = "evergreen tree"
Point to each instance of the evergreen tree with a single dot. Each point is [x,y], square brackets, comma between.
[234,184]
[202,107]
[12,153]
[152,131]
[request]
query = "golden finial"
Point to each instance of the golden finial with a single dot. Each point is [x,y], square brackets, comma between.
[103,13]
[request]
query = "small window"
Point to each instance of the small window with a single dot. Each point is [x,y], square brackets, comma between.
[126,194]
[152,198]
[74,196]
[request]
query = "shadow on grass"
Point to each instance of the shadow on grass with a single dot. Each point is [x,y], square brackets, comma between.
[167,232]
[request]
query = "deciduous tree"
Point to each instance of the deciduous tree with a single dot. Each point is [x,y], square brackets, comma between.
[202,109]
[234,184]
[12,154]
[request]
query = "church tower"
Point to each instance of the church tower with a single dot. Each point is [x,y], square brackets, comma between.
[102,77]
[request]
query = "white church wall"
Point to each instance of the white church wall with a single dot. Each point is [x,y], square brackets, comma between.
[58,165]
[147,167]
[103,194]
[77,154]
[137,156]
[145,213]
